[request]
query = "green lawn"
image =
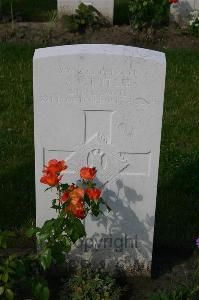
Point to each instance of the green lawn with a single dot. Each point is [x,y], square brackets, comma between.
[29,10]
[16,136]
[177,221]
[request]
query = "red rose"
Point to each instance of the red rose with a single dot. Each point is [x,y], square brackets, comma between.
[76,205]
[93,194]
[50,179]
[55,166]
[88,173]
[51,172]
[77,193]
[173,1]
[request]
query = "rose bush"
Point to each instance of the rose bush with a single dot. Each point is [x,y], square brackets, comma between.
[71,198]
[55,238]
[73,203]
[145,14]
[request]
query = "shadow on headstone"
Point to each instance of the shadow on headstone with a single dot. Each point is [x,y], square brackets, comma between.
[128,250]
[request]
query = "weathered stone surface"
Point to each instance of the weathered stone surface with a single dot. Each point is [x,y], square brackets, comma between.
[180,12]
[102,105]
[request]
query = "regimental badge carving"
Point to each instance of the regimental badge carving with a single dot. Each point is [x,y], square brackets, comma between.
[96,152]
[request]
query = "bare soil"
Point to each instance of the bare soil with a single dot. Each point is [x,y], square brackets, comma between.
[49,34]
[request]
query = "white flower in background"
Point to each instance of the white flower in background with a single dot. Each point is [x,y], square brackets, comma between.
[195,14]
[194,22]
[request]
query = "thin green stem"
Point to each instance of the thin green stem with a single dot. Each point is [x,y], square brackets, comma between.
[59,197]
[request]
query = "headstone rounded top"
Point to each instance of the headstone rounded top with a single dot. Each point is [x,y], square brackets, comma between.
[93,49]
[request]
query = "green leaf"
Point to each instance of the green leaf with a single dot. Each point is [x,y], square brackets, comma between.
[54,202]
[3,243]
[45,258]
[37,289]
[42,237]
[47,226]
[4,277]
[4,236]
[11,257]
[55,207]
[20,268]
[30,232]
[44,293]
[64,186]
[95,208]
[58,254]
[2,268]
[40,291]
[67,243]
[87,200]
[2,290]
[75,228]
[9,294]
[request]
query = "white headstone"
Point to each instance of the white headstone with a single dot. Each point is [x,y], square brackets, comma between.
[188,5]
[102,106]
[105,7]
[180,11]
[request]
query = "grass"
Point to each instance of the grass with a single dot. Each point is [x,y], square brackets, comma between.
[29,10]
[16,136]
[177,222]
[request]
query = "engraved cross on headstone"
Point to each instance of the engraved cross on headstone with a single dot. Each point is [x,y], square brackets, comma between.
[98,151]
